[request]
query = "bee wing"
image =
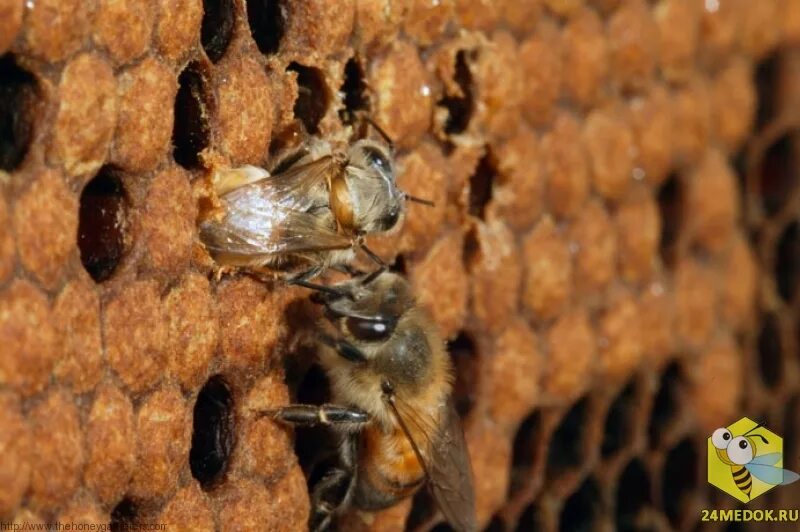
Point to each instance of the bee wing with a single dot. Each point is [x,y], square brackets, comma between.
[769,459]
[772,475]
[449,469]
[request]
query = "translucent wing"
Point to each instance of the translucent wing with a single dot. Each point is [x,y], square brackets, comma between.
[772,475]
[448,467]
[769,459]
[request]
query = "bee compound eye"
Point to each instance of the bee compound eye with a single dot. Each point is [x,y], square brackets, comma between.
[369,330]
[721,438]
[740,451]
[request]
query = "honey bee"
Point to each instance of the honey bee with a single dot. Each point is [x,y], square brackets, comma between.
[740,454]
[312,214]
[391,385]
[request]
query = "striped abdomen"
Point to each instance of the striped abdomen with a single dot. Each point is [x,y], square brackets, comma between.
[742,478]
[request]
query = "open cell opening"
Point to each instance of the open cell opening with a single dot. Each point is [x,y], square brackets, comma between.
[766,75]
[191,132]
[670,207]
[530,520]
[423,511]
[525,453]
[354,91]
[212,434]
[123,515]
[565,450]
[791,434]
[18,98]
[460,107]
[633,495]
[267,20]
[464,354]
[770,349]
[217,27]
[666,403]
[778,173]
[103,224]
[619,421]
[313,96]
[581,509]
[787,262]
[481,183]
[679,479]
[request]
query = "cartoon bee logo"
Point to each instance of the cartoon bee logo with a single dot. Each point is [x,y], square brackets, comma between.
[741,454]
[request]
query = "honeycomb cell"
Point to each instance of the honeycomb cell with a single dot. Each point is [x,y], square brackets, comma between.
[76,315]
[528,451]
[143,128]
[426,21]
[476,14]
[712,203]
[163,429]
[499,86]
[740,283]
[757,29]
[720,363]
[168,229]
[563,8]
[18,105]
[620,421]
[87,115]
[56,28]
[542,69]
[124,515]
[213,432]
[15,461]
[679,481]
[464,354]
[570,352]
[609,144]
[377,22]
[313,96]
[567,443]
[653,124]
[111,440]
[354,91]
[267,19]
[619,337]
[521,17]
[770,351]
[566,167]
[135,335]
[247,505]
[45,222]
[733,96]
[317,28]
[638,226]
[586,58]
[11,16]
[27,337]
[719,29]
[216,28]
[403,98]
[135,16]
[667,404]
[57,450]
[775,178]
[657,320]
[459,100]
[422,175]
[787,262]
[593,241]
[692,117]
[191,132]
[188,510]
[241,84]
[547,281]
[103,224]
[7,245]
[695,302]
[178,28]
[679,30]
[633,45]
[633,496]
[518,191]
[582,509]
[491,459]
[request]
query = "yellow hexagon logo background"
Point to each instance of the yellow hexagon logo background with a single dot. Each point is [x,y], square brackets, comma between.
[721,474]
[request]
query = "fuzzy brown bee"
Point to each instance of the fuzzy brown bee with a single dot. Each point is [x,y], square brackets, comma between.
[310,215]
[391,383]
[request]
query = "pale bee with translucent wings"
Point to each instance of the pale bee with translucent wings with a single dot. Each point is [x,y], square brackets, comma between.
[311,215]
[391,385]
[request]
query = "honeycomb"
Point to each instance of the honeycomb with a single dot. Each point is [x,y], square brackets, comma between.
[613,252]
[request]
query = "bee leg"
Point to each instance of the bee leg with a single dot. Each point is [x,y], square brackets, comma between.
[345,419]
[333,491]
[349,270]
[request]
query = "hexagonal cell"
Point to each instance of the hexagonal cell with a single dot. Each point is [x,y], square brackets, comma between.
[18,98]
[313,96]
[481,183]
[582,509]
[565,449]
[216,31]
[354,91]
[778,174]
[123,515]
[766,75]
[464,354]
[267,20]
[103,224]
[527,452]
[619,428]
[633,496]
[670,206]
[460,107]
[666,405]
[770,351]
[787,262]
[213,432]
[191,132]
[680,478]
[530,519]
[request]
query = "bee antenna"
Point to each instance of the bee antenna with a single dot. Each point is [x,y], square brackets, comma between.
[415,199]
[322,289]
[759,425]
[380,131]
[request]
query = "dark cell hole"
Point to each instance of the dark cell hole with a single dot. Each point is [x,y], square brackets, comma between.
[581,509]
[354,90]
[267,23]
[670,206]
[527,445]
[313,96]
[787,262]
[791,434]
[123,515]
[619,421]
[213,430]
[442,527]
[565,449]
[17,102]
[459,107]
[496,525]
[314,446]
[470,249]
[766,81]
[530,520]
[102,224]
[399,265]
[191,132]
[217,27]
[778,173]
[465,359]
[678,479]
[769,351]
[666,403]
[480,185]
[633,495]
[423,510]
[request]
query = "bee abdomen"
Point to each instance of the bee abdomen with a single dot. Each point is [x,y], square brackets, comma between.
[743,480]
